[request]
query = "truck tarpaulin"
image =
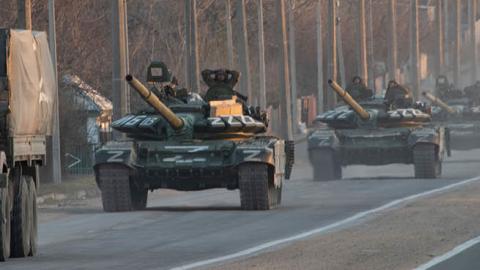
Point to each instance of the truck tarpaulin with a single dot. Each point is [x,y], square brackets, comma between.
[32,83]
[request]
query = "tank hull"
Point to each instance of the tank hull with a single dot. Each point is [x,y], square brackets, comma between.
[192,165]
[464,136]
[379,146]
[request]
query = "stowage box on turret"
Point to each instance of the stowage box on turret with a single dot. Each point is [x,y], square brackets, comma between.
[371,132]
[187,143]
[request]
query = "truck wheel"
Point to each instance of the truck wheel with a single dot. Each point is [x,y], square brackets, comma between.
[426,162]
[325,165]
[32,194]
[115,186]
[21,223]
[4,225]
[255,191]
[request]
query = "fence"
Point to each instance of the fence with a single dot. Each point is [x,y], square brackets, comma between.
[79,160]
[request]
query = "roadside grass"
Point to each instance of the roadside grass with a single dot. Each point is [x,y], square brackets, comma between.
[71,188]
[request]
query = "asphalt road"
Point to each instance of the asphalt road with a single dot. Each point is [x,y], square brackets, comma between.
[466,260]
[188,227]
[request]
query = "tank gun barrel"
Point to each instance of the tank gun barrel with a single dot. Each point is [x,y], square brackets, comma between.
[364,115]
[439,102]
[175,121]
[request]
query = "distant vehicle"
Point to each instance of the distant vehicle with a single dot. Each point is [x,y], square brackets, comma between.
[370,133]
[187,143]
[27,96]
[461,117]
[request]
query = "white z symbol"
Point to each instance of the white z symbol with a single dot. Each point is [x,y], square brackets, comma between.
[115,156]
[252,154]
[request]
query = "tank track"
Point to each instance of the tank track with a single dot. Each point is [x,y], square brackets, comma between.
[114,182]
[256,193]
[425,161]
[289,158]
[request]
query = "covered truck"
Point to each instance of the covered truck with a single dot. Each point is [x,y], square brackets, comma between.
[27,99]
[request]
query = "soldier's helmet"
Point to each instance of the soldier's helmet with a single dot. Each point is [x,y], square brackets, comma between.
[357,80]
[442,81]
[391,84]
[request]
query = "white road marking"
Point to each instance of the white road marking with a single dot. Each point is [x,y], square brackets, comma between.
[344,222]
[457,250]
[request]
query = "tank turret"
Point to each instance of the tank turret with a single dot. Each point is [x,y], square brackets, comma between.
[362,113]
[174,121]
[437,101]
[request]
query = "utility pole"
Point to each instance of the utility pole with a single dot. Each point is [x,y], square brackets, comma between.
[414,54]
[285,93]
[341,59]
[228,21]
[439,27]
[293,62]
[55,165]
[262,97]
[447,34]
[188,43]
[24,17]
[120,58]
[332,51]
[392,39]
[370,45]
[245,84]
[192,65]
[320,84]
[457,42]
[362,66]
[473,39]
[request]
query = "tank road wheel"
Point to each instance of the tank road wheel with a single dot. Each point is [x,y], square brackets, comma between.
[21,222]
[426,162]
[325,165]
[32,194]
[118,193]
[256,193]
[4,225]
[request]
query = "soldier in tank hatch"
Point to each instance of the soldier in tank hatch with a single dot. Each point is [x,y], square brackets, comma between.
[358,89]
[473,93]
[398,96]
[445,90]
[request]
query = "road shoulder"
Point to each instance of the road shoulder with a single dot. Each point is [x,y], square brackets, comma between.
[401,238]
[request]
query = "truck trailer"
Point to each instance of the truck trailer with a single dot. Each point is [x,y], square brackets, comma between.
[27,98]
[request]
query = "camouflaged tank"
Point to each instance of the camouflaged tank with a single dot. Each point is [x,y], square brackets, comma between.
[460,117]
[190,144]
[367,133]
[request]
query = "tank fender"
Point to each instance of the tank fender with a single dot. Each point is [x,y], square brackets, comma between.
[436,136]
[115,153]
[273,155]
[322,139]
[263,154]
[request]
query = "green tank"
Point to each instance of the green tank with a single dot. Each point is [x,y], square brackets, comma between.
[460,117]
[372,133]
[185,143]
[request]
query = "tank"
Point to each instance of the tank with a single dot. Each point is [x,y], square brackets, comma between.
[460,117]
[186,143]
[372,133]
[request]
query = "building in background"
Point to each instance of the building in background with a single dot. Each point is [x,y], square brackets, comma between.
[88,129]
